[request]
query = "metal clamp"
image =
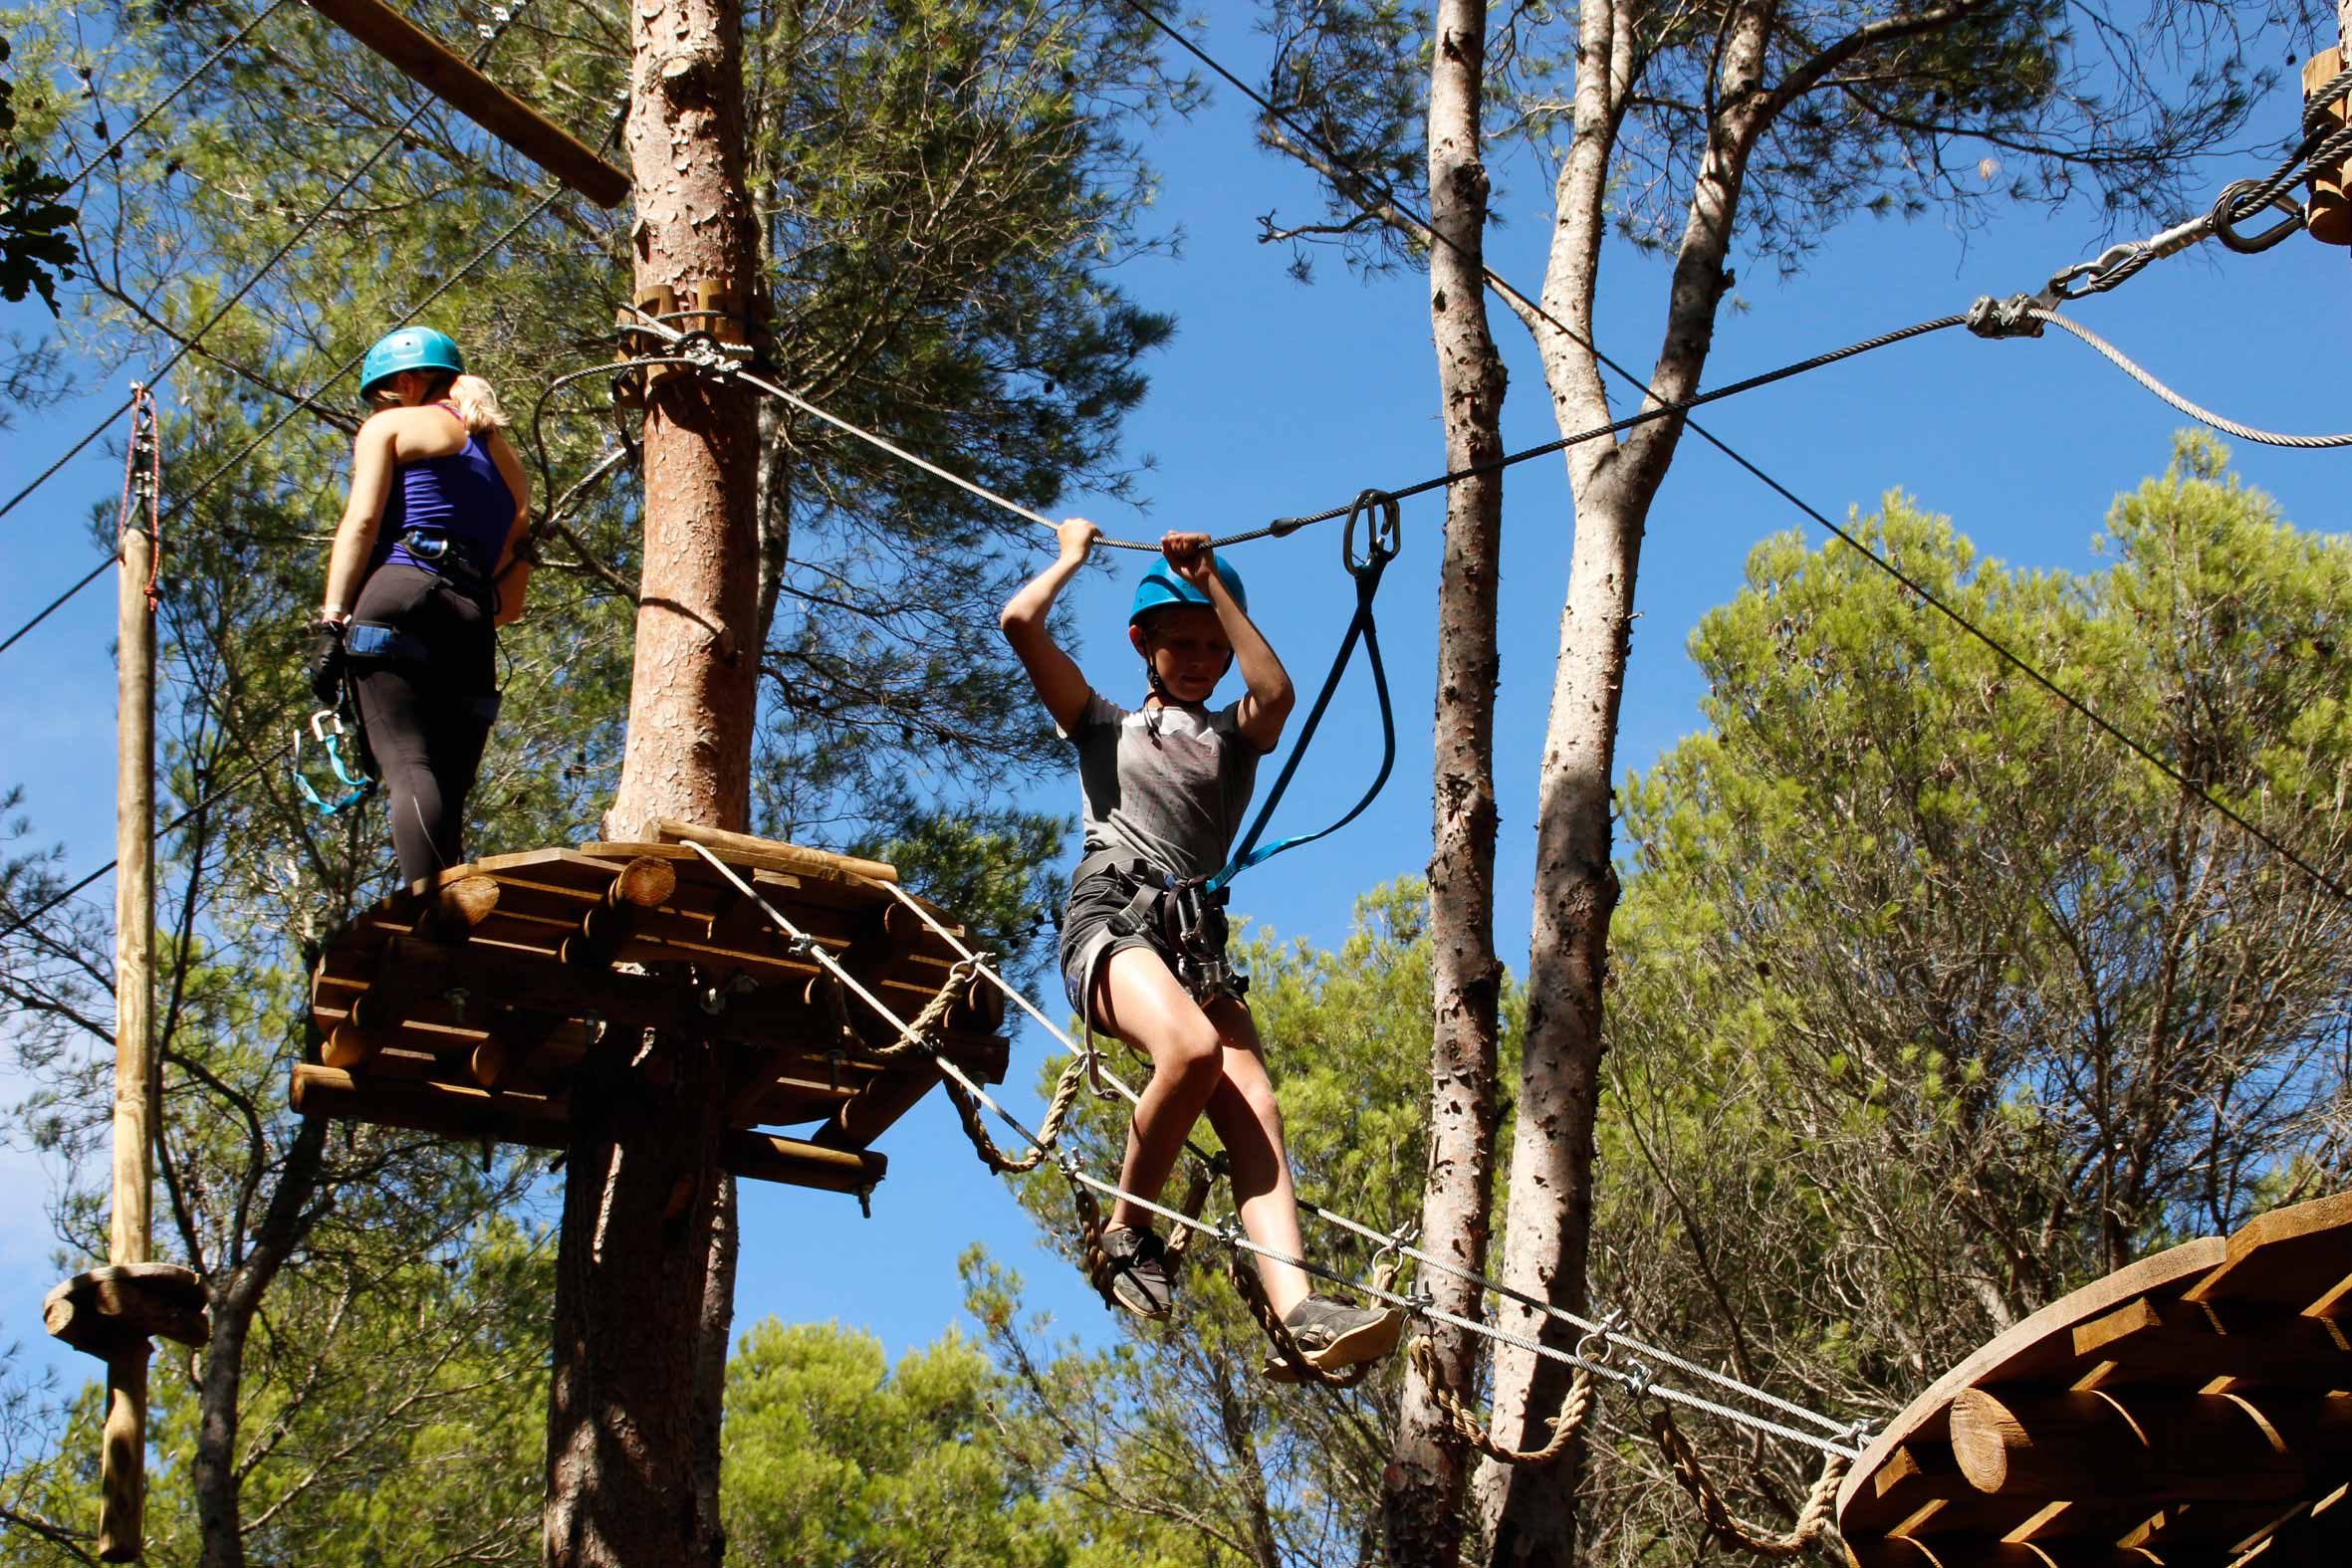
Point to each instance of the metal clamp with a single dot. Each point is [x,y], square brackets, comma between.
[2222,221]
[1594,1346]
[1383,532]
[2009,318]
[1639,1376]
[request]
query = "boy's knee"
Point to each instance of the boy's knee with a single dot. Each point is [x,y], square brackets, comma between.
[1194,1050]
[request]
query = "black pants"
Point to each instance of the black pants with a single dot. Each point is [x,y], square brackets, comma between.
[427,700]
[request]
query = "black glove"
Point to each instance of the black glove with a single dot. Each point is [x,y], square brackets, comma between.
[326,664]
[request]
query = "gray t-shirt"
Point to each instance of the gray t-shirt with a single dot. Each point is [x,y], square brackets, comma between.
[1176,798]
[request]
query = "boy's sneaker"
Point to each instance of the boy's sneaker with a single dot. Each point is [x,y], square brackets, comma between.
[1334,1335]
[1139,1280]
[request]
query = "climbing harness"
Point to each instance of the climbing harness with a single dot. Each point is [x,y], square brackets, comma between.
[1381,538]
[1182,916]
[326,736]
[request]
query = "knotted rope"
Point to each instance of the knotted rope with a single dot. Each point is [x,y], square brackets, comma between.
[1811,1519]
[1065,1094]
[917,1036]
[1472,1431]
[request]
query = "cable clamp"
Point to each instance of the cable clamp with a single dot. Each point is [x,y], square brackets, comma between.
[1229,1230]
[1284,528]
[1639,1376]
[2009,318]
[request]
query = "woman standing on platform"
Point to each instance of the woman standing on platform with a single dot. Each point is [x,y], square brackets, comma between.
[431,557]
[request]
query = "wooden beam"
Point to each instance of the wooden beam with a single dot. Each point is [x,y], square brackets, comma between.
[774,852]
[2163,1448]
[422,58]
[458,1111]
[2158,1340]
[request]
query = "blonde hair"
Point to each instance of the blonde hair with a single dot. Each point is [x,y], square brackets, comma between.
[476,403]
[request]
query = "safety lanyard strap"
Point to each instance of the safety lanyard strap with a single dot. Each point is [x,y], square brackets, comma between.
[1379,549]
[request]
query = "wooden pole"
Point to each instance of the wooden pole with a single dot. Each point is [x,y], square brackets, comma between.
[421,58]
[122,1463]
[645,1275]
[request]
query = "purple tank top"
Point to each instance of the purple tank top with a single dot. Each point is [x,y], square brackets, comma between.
[462,497]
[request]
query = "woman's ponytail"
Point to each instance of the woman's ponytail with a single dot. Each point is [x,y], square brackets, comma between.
[475,403]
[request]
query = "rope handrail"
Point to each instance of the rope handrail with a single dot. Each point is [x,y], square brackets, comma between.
[1641,1380]
[1606,1330]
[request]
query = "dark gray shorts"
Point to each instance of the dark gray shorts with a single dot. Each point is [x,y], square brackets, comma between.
[1088,940]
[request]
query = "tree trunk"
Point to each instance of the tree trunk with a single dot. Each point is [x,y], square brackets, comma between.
[1530,1515]
[232,1304]
[1427,1470]
[645,1270]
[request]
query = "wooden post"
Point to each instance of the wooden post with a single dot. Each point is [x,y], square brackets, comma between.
[421,58]
[645,1268]
[122,1463]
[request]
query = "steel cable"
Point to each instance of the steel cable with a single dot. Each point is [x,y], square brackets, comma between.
[2202,416]
[177,88]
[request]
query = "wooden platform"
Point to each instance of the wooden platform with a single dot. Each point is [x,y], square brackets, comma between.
[468,1007]
[2192,1409]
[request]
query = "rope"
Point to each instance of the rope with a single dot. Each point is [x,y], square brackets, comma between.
[176,89]
[1811,1519]
[917,1036]
[1604,1331]
[2202,416]
[1292,1360]
[142,484]
[1200,1178]
[1573,1408]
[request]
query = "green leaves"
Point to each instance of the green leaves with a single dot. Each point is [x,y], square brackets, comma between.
[35,249]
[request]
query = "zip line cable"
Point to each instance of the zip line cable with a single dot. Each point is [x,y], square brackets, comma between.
[1638,1378]
[301,230]
[2202,416]
[182,86]
[2017,661]
[57,604]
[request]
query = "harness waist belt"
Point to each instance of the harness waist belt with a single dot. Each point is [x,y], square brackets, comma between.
[444,554]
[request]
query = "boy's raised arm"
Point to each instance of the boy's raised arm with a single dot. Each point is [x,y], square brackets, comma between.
[1059,683]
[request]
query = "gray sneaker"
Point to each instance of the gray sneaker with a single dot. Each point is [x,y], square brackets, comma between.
[1139,1270]
[1336,1335]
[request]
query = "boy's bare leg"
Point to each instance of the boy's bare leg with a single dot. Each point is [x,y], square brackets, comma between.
[1137,999]
[1249,1121]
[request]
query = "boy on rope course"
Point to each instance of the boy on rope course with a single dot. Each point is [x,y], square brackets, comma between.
[430,558]
[1143,936]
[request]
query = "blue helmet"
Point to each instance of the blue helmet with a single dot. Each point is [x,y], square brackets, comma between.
[1161,588]
[409,348]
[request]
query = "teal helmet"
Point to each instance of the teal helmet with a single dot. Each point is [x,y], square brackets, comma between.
[409,348]
[1161,588]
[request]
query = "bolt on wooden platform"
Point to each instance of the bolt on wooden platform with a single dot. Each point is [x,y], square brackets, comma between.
[2192,1409]
[470,1006]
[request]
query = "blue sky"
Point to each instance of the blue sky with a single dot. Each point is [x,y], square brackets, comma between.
[1277,398]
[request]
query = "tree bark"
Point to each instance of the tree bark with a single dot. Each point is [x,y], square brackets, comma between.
[1530,1515]
[645,1268]
[1423,1486]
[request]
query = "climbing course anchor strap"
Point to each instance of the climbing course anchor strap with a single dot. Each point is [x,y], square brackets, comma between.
[326,735]
[1378,509]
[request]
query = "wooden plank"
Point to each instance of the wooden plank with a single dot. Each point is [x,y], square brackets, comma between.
[787,858]
[102,1310]
[2065,1446]
[463,1111]
[421,58]
[2034,1350]
[1896,1551]
[2290,1257]
[879,1106]
[2148,1340]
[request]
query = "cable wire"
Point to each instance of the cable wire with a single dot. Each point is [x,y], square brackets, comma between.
[2201,414]
[57,604]
[176,89]
[173,826]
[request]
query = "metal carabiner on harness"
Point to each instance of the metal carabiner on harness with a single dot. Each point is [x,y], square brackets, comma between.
[1197,931]
[326,733]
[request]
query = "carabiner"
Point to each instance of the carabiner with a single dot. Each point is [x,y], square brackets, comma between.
[326,733]
[1382,535]
[2225,219]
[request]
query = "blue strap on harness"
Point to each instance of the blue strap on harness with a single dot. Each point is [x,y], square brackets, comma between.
[366,640]
[327,733]
[1380,546]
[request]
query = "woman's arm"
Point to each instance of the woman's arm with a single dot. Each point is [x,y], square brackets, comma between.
[1269,700]
[511,577]
[1059,683]
[373,457]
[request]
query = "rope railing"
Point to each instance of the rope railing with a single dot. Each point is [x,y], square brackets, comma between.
[1639,1379]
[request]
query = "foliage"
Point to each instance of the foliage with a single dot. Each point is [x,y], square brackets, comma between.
[36,251]
[1928,1003]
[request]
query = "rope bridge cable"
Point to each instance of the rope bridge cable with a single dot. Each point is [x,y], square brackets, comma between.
[2202,416]
[57,604]
[1393,203]
[214,797]
[187,346]
[1604,1334]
